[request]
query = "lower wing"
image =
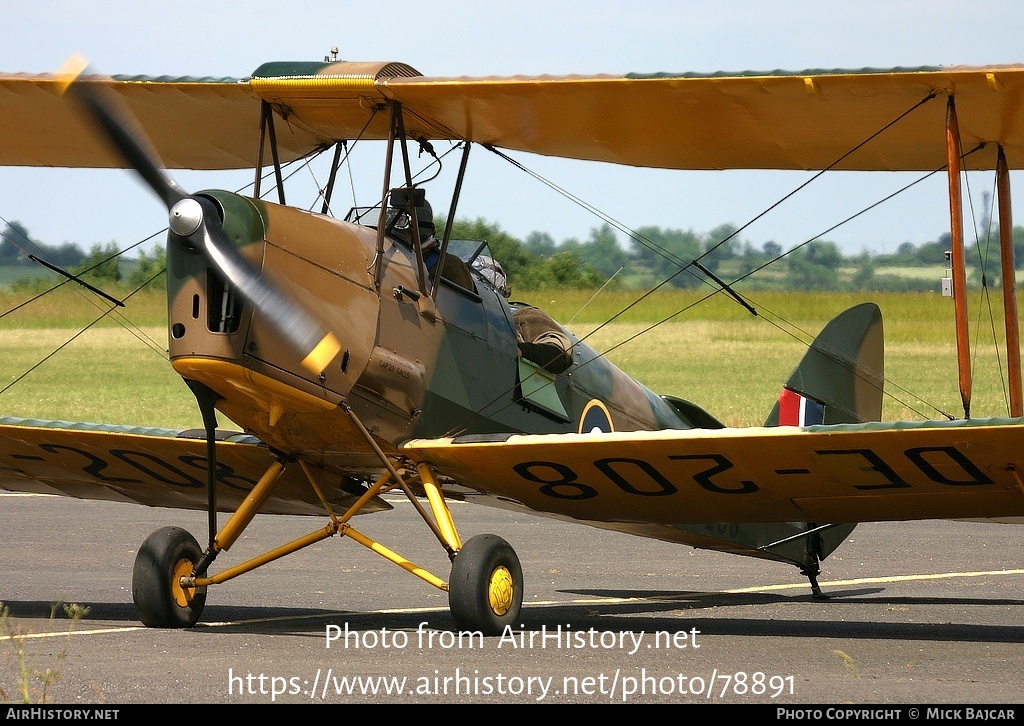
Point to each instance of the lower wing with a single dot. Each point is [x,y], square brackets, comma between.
[825,474]
[161,468]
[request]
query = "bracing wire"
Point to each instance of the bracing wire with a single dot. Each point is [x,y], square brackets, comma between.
[984,256]
[684,266]
[113,311]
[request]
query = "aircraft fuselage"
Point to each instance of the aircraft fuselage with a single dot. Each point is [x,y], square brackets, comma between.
[411,366]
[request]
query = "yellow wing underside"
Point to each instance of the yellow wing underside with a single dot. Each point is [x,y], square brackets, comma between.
[827,474]
[776,120]
[158,468]
[824,474]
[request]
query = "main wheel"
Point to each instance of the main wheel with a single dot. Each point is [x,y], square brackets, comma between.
[485,592]
[165,557]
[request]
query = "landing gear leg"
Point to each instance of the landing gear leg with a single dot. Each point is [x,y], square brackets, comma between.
[165,557]
[485,589]
[812,575]
[485,592]
[812,568]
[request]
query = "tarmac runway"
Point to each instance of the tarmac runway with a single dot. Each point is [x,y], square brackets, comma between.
[920,613]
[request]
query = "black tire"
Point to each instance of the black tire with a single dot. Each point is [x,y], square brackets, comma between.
[485,592]
[160,601]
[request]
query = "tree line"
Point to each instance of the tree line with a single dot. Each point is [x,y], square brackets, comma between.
[102,263]
[644,258]
[654,255]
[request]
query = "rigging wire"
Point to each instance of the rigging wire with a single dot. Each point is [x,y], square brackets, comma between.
[307,159]
[63,345]
[684,265]
[668,255]
[599,291]
[887,198]
[348,150]
[126,323]
[986,291]
[831,166]
[300,162]
[122,320]
[654,247]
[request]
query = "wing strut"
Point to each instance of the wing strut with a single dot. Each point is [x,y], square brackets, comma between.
[378,258]
[1009,286]
[339,146]
[267,128]
[414,226]
[451,210]
[956,218]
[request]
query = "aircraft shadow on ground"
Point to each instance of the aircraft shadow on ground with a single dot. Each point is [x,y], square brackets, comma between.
[646,611]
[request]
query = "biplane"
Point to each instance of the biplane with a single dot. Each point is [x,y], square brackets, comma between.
[375,353]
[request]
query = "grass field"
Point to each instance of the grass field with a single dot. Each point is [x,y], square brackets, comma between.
[719,355]
[712,352]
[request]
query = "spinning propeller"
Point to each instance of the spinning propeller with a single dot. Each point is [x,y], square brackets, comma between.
[196,221]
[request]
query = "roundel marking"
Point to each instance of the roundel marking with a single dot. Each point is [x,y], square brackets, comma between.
[595,419]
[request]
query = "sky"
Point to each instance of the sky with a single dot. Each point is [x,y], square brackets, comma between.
[452,38]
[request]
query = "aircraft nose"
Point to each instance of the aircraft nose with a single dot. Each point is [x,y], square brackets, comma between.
[185,217]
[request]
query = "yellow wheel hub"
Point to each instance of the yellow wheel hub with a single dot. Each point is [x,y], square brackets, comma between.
[182,595]
[500,590]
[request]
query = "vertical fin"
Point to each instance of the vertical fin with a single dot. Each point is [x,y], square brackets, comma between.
[839,380]
[842,372]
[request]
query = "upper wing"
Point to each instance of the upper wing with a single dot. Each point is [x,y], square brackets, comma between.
[156,467]
[194,123]
[823,474]
[776,120]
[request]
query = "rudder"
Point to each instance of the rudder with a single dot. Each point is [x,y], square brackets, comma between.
[840,377]
[839,380]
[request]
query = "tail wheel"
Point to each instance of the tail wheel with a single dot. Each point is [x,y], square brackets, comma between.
[485,592]
[165,557]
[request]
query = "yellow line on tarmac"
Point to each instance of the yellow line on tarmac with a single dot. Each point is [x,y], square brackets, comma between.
[892,578]
[577,601]
[321,616]
[230,623]
[66,634]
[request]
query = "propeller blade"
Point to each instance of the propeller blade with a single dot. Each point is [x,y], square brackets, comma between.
[197,221]
[120,129]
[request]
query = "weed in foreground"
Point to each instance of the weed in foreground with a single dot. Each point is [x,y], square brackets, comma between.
[33,682]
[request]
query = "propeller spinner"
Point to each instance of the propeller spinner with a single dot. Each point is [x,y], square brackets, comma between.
[197,222]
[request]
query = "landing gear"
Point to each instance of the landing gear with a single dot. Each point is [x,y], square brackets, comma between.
[485,591]
[486,586]
[812,565]
[165,557]
[812,575]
